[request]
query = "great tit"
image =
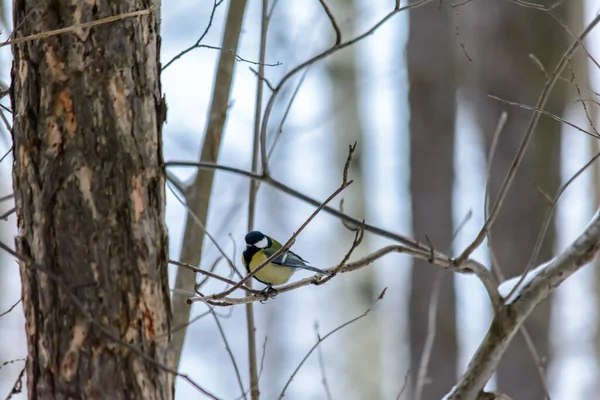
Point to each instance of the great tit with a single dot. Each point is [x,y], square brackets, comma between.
[259,247]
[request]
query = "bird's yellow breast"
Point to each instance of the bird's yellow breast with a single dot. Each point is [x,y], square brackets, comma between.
[271,274]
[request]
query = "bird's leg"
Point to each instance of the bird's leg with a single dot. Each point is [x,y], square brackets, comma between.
[269,291]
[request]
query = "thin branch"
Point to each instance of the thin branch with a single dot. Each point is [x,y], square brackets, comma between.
[506,324]
[334,25]
[198,222]
[8,214]
[6,154]
[7,197]
[292,192]
[279,129]
[11,308]
[525,142]
[210,274]
[318,57]
[488,178]
[403,388]
[264,79]
[321,340]
[18,386]
[547,221]
[238,57]
[10,362]
[211,270]
[429,340]
[200,39]
[230,353]
[83,25]
[547,113]
[469,267]
[322,365]
[536,358]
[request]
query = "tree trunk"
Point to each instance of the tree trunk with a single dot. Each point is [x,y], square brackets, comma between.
[432,100]
[362,364]
[500,65]
[89,184]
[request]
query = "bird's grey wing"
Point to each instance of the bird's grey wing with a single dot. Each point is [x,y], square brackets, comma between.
[291,259]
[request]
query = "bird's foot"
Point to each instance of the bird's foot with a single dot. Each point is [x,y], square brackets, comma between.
[269,292]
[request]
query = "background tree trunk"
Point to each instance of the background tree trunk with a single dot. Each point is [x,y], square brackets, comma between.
[432,100]
[89,186]
[357,292]
[506,70]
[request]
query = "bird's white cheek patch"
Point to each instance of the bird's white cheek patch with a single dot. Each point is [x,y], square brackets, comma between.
[261,244]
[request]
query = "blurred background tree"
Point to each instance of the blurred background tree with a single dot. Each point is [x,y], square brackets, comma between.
[432,102]
[508,69]
[404,114]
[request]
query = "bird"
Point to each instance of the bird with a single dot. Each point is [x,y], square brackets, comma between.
[259,247]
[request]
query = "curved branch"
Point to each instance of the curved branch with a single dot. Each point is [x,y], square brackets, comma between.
[470,266]
[318,57]
[301,196]
[510,318]
[525,142]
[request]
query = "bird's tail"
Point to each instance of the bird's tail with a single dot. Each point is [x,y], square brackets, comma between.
[320,271]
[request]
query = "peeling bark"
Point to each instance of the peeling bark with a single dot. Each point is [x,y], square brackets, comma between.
[89,188]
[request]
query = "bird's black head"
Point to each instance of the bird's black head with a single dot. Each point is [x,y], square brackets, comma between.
[257,239]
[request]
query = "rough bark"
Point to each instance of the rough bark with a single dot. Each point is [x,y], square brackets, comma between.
[89,186]
[500,65]
[432,100]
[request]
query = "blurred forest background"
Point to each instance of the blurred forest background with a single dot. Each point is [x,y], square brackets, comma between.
[414,95]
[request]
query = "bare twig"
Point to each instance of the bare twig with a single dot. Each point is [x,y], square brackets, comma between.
[83,25]
[7,197]
[318,57]
[322,365]
[8,214]
[403,388]
[547,113]
[506,324]
[279,129]
[11,308]
[211,270]
[321,340]
[488,177]
[547,221]
[525,142]
[18,386]
[536,358]
[470,266]
[230,353]
[197,220]
[6,154]
[210,274]
[216,5]
[429,340]
[292,192]
[334,25]
[9,362]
